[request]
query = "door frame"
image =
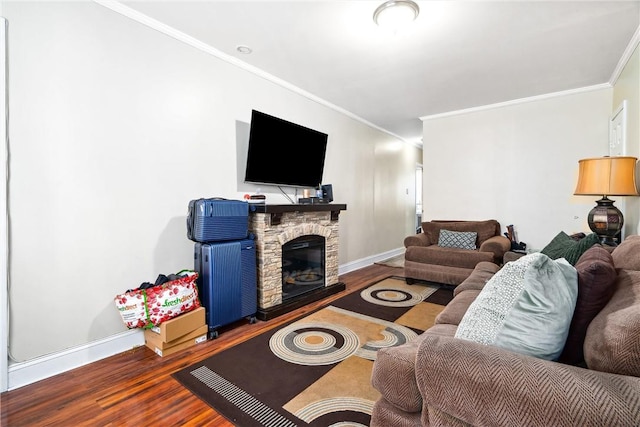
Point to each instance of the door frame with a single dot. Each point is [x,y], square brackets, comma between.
[4,216]
[418,196]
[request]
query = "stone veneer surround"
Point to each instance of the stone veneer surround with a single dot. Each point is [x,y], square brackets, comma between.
[273,230]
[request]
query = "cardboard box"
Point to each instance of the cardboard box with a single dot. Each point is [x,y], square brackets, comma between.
[153,340]
[178,347]
[180,326]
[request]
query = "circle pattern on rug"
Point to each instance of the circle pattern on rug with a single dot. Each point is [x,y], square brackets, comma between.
[391,297]
[314,343]
[314,340]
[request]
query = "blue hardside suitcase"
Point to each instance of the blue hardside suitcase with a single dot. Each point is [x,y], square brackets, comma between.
[227,282]
[217,219]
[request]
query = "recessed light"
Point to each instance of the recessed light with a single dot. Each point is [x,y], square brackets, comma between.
[245,50]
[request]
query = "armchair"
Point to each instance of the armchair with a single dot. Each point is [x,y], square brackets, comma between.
[428,257]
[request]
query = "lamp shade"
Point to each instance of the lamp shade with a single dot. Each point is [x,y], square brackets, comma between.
[607,176]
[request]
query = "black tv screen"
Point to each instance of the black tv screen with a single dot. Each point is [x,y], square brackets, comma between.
[284,153]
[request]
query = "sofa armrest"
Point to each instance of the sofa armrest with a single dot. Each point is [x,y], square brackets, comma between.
[499,245]
[486,385]
[419,239]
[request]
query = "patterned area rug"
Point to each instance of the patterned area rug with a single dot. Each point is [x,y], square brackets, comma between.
[316,371]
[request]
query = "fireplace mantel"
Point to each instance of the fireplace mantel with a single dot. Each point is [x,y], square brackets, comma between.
[276,211]
[275,225]
[298,207]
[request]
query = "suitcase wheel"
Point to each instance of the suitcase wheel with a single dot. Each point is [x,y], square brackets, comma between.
[252,320]
[213,335]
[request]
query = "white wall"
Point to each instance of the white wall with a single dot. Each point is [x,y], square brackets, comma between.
[517,163]
[114,128]
[627,88]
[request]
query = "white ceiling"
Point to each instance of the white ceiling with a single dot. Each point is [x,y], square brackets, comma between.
[456,55]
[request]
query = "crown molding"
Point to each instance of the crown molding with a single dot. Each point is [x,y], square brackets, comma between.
[128,12]
[141,18]
[626,55]
[624,59]
[518,101]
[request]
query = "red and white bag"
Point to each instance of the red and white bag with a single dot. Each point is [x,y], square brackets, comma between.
[145,308]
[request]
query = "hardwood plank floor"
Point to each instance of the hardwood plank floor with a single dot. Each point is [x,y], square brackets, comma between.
[135,388]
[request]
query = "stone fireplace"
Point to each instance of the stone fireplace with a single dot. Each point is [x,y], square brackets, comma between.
[299,229]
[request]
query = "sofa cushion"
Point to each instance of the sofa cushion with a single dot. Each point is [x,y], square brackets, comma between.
[525,307]
[457,239]
[625,255]
[451,257]
[457,307]
[481,274]
[612,343]
[485,229]
[387,414]
[394,375]
[563,246]
[443,330]
[596,277]
[442,274]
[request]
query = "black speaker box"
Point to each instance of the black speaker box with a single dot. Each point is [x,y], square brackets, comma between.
[327,193]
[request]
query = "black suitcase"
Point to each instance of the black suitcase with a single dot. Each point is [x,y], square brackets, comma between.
[217,219]
[227,282]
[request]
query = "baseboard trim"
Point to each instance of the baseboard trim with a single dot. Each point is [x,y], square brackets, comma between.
[34,370]
[31,371]
[364,262]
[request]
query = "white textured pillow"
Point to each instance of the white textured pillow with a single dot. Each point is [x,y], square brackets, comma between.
[526,307]
[457,239]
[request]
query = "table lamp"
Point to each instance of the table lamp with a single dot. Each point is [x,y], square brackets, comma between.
[606,176]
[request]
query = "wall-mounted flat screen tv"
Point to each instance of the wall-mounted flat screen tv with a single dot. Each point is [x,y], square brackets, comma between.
[284,153]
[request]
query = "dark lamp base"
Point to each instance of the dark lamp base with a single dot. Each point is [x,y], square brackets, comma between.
[606,221]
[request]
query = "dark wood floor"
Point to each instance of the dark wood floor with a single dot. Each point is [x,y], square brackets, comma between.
[135,388]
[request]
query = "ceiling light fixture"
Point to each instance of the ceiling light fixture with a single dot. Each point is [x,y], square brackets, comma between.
[396,13]
[244,49]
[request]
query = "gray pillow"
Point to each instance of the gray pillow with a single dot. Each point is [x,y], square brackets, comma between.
[526,307]
[457,239]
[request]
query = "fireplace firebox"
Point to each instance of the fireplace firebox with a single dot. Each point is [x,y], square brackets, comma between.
[302,266]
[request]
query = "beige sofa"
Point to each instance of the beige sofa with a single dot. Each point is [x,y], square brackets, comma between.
[440,380]
[426,259]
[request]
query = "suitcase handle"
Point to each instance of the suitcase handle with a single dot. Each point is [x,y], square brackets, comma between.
[210,207]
